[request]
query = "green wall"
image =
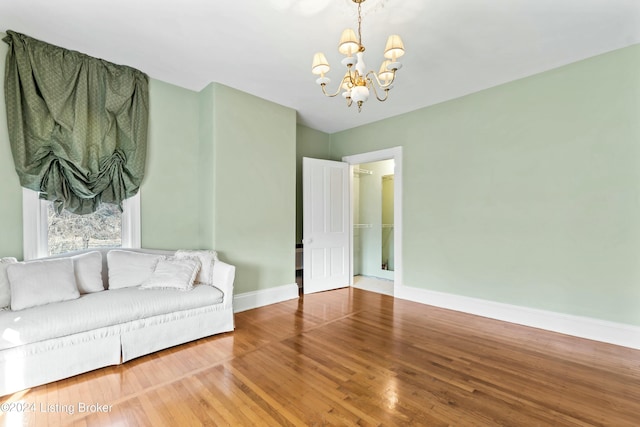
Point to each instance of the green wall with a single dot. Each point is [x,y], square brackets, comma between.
[206,152]
[220,175]
[170,192]
[527,193]
[10,190]
[254,149]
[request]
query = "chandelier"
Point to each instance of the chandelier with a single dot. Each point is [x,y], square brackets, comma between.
[357,81]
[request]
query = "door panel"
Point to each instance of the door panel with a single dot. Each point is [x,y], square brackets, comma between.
[325,224]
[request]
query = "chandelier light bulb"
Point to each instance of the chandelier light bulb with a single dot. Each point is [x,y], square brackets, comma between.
[385,74]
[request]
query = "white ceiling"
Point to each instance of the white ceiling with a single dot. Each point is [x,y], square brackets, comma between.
[265,47]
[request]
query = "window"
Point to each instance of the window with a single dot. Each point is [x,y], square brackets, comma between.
[68,232]
[46,233]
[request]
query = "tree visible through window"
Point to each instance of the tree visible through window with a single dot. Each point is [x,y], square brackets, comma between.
[70,232]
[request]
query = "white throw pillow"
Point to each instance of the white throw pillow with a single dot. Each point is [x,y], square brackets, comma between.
[5,288]
[207,258]
[173,273]
[88,270]
[37,283]
[128,269]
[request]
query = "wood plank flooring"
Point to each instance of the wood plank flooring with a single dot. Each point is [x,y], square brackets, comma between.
[353,357]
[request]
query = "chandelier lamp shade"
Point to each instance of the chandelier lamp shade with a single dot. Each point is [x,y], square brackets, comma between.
[358,83]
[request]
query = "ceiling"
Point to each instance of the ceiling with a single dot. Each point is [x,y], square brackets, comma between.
[265,47]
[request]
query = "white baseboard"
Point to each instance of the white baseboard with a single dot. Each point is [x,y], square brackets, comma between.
[255,299]
[584,327]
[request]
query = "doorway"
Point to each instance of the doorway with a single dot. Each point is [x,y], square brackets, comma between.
[373,226]
[376,220]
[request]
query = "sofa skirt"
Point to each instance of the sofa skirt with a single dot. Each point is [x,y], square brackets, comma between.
[151,334]
[52,360]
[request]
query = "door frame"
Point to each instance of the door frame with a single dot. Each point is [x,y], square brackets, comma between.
[395,154]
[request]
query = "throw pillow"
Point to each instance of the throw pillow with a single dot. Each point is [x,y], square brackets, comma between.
[173,273]
[5,288]
[207,258]
[37,283]
[128,269]
[88,270]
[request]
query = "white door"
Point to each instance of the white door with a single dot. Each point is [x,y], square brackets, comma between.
[325,230]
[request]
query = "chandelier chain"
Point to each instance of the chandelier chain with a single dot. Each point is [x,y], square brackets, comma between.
[360,25]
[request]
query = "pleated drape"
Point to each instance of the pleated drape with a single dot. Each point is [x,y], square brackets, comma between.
[77,124]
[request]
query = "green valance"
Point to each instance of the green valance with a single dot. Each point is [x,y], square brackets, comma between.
[77,124]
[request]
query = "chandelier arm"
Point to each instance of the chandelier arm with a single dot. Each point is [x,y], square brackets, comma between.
[380,84]
[375,92]
[330,95]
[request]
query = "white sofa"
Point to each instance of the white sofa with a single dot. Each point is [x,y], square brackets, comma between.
[58,340]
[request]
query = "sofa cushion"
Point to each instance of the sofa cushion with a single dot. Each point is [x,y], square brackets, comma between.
[173,273]
[128,269]
[207,258]
[99,310]
[5,288]
[88,271]
[37,283]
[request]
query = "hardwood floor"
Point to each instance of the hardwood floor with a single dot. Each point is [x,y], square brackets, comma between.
[352,357]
